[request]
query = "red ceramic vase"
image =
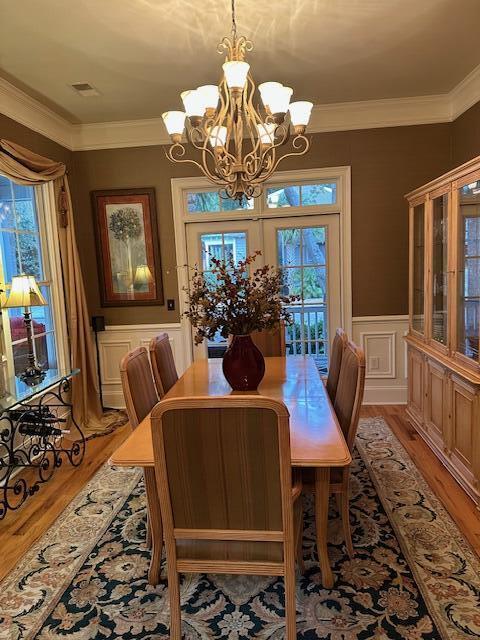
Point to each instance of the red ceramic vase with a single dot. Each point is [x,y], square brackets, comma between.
[243,364]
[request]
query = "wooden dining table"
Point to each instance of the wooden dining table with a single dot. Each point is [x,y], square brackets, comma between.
[316,439]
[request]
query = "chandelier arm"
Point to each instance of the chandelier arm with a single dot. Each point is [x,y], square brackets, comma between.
[202,168]
[298,142]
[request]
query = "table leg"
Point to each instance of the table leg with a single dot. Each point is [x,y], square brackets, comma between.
[156,527]
[322,485]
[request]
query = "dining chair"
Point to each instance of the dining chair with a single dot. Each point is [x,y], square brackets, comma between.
[335,362]
[163,363]
[271,343]
[224,479]
[347,405]
[348,402]
[140,398]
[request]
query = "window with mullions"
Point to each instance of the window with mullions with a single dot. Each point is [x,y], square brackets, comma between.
[23,250]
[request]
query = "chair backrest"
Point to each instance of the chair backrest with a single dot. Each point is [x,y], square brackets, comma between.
[163,364]
[138,385]
[224,478]
[271,343]
[351,384]
[335,362]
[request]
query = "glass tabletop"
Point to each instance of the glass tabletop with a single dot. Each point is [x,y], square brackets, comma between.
[17,391]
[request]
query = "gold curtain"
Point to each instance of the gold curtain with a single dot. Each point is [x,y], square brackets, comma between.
[28,168]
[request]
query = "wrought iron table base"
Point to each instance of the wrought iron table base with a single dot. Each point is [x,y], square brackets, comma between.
[31,437]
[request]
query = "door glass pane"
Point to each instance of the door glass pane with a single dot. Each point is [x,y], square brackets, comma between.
[418,320]
[302,258]
[440,269]
[222,246]
[325,193]
[469,272]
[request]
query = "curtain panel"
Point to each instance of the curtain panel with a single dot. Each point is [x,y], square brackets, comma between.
[25,167]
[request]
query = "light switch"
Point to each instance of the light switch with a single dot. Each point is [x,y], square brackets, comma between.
[171,304]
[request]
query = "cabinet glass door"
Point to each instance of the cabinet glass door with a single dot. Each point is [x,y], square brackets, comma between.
[440,268]
[469,271]
[418,311]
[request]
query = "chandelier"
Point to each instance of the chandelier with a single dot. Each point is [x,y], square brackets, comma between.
[239,145]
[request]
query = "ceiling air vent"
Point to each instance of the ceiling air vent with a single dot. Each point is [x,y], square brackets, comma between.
[84,89]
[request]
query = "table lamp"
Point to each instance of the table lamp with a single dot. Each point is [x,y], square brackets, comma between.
[143,276]
[25,293]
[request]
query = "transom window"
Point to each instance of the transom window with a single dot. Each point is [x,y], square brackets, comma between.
[301,195]
[23,249]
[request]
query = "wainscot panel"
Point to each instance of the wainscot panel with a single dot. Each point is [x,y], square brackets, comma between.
[381,337]
[117,340]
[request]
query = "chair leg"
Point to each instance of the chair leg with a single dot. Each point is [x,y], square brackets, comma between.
[174,593]
[299,534]
[344,508]
[290,604]
[148,539]
[154,525]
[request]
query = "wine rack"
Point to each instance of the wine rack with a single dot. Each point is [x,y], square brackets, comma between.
[37,435]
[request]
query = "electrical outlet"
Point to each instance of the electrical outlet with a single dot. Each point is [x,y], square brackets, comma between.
[171,304]
[374,363]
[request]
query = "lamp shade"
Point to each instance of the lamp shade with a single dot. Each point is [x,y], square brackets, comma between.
[25,293]
[300,112]
[193,103]
[208,94]
[143,275]
[174,122]
[275,96]
[236,72]
[218,136]
[266,132]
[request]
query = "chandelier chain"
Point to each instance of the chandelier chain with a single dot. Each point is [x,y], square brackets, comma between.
[234,23]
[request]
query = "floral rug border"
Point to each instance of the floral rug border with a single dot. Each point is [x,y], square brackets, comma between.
[407,508]
[69,532]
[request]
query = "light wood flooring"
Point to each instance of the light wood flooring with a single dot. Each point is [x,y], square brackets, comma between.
[20,529]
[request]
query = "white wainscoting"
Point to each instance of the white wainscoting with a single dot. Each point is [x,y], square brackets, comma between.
[117,340]
[381,337]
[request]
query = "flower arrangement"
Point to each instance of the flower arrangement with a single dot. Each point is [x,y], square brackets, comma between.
[231,302]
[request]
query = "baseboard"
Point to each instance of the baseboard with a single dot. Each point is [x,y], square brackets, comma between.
[385,395]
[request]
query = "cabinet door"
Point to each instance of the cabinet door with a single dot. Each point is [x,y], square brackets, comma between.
[439,270]
[417,282]
[465,423]
[436,404]
[468,272]
[416,384]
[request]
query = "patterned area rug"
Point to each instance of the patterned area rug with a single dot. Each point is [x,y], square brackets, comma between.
[413,577]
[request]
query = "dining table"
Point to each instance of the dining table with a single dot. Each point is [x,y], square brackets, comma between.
[316,439]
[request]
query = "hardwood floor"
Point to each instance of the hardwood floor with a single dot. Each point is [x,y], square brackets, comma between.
[461,508]
[19,530]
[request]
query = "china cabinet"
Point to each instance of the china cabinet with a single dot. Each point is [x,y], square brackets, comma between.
[444,328]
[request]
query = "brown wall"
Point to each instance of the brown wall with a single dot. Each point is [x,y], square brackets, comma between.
[11,130]
[466,136]
[386,164]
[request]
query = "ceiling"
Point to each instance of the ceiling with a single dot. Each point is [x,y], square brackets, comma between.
[139,54]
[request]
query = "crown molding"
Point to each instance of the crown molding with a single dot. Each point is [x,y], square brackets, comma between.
[465,94]
[344,116]
[19,106]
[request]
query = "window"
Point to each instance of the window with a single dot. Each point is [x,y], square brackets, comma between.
[304,195]
[212,202]
[23,249]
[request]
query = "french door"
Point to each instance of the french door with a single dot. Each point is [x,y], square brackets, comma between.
[306,248]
